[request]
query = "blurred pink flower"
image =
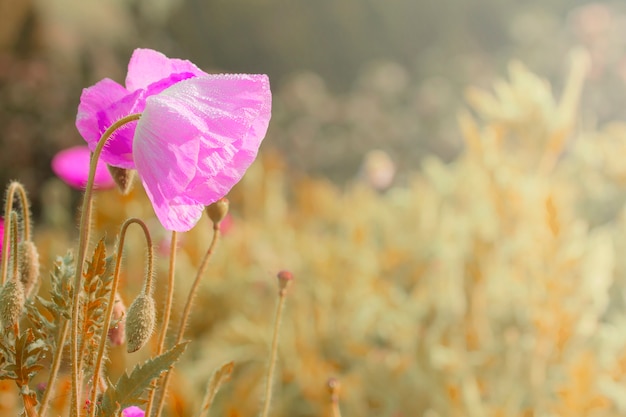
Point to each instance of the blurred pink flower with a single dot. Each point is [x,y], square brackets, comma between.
[72,166]
[133,411]
[197,135]
[226,225]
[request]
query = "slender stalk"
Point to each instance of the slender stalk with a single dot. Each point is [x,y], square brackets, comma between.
[333,388]
[84,230]
[14,231]
[16,274]
[109,311]
[54,370]
[274,352]
[14,188]
[167,311]
[196,284]
[187,310]
[336,412]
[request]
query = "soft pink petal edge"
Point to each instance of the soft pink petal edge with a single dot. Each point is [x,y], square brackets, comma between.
[109,100]
[147,66]
[92,101]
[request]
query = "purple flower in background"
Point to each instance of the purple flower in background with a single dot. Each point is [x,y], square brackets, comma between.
[133,411]
[197,135]
[72,166]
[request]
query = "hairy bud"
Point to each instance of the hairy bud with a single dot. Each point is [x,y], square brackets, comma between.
[140,322]
[28,258]
[123,178]
[12,301]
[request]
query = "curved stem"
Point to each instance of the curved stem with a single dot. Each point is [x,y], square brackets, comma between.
[273,354]
[166,314]
[85,222]
[187,310]
[14,187]
[109,311]
[13,227]
[14,232]
[54,370]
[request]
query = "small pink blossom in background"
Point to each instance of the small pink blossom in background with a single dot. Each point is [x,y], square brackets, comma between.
[226,225]
[378,169]
[197,135]
[1,235]
[133,411]
[72,166]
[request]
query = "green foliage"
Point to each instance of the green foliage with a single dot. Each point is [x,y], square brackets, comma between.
[95,295]
[61,277]
[130,389]
[22,361]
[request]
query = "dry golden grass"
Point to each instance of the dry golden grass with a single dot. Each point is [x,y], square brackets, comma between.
[489,286]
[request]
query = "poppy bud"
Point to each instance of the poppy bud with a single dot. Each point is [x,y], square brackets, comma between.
[140,322]
[28,258]
[123,178]
[11,302]
[218,210]
[284,280]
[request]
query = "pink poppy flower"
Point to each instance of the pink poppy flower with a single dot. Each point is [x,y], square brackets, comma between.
[72,166]
[197,135]
[133,411]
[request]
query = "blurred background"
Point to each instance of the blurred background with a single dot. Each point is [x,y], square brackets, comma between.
[347,76]
[444,178]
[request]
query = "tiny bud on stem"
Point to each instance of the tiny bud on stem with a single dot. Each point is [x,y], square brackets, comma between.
[123,178]
[284,281]
[218,210]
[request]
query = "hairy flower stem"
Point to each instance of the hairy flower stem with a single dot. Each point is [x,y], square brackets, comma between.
[167,311]
[187,311]
[54,370]
[282,295]
[109,311]
[83,239]
[13,189]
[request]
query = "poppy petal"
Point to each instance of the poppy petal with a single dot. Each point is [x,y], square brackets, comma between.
[147,66]
[197,138]
[100,106]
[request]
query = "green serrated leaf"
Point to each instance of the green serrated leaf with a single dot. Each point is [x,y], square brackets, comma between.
[61,287]
[97,265]
[129,389]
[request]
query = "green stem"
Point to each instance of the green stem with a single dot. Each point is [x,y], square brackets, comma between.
[109,311]
[273,354]
[187,310]
[84,230]
[166,315]
[56,364]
